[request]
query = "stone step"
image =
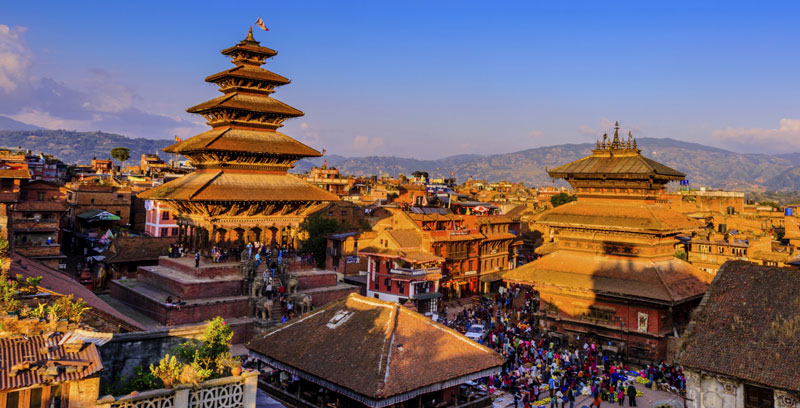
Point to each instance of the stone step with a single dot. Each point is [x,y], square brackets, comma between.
[150,301]
[206,269]
[188,286]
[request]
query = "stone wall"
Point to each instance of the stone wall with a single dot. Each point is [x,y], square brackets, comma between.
[708,391]
[126,351]
[83,393]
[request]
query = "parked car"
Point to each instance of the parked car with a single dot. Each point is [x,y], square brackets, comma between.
[476,332]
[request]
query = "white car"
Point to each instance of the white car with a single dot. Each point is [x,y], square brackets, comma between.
[476,332]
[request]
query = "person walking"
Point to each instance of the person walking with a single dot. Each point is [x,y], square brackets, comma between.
[197,259]
[631,395]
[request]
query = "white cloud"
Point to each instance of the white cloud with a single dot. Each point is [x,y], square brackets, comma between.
[364,144]
[15,58]
[786,137]
[535,134]
[95,102]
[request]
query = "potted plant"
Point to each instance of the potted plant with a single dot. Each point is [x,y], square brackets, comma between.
[168,370]
[232,362]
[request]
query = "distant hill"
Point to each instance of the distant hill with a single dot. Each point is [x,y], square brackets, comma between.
[79,147]
[7,123]
[703,165]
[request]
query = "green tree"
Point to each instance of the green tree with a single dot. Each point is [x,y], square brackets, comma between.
[317,227]
[122,154]
[562,198]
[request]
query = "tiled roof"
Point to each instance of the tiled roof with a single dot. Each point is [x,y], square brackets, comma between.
[255,103]
[136,249]
[229,186]
[630,166]
[243,71]
[61,284]
[378,352]
[255,141]
[619,217]
[748,323]
[70,365]
[406,238]
[14,174]
[669,281]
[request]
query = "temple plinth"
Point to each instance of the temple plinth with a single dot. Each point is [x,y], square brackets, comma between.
[241,191]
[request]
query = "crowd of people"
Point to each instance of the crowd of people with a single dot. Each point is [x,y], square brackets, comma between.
[540,371]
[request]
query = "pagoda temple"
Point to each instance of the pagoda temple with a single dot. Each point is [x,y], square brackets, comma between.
[241,191]
[613,277]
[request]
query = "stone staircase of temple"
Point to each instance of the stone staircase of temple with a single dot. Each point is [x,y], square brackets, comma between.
[213,289]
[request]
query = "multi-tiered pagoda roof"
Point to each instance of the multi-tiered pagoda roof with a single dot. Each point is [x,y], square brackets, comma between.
[242,162]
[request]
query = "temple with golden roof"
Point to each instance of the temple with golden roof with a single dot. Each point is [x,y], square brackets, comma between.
[613,277]
[241,191]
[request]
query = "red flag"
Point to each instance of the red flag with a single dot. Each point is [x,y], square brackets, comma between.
[260,24]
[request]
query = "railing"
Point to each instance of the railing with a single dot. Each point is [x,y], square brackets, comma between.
[226,392]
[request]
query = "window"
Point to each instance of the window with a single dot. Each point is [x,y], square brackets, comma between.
[119,195]
[23,195]
[400,286]
[92,202]
[738,251]
[721,250]
[757,397]
[165,215]
[40,196]
[344,213]
[388,283]
[174,232]
[117,212]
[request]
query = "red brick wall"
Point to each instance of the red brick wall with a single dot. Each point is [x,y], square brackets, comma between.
[186,290]
[316,280]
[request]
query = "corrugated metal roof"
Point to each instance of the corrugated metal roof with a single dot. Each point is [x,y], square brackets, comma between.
[44,354]
[98,338]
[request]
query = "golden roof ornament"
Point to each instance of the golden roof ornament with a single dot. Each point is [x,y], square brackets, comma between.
[615,143]
[630,135]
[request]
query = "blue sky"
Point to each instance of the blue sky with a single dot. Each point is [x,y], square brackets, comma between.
[420,79]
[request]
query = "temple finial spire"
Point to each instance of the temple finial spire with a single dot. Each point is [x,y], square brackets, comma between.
[615,142]
[250,35]
[630,136]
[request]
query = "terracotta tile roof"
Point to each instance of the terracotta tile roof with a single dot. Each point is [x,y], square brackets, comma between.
[14,351]
[254,141]
[136,249]
[42,206]
[222,186]
[379,352]
[631,166]
[14,174]
[406,238]
[619,216]
[668,281]
[749,322]
[243,71]
[236,100]
[61,284]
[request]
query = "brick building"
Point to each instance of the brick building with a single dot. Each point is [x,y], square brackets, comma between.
[740,350]
[37,222]
[159,221]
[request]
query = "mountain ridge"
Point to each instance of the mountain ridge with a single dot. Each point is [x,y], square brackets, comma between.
[703,165]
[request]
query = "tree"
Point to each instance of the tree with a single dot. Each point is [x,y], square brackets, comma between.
[317,228]
[562,198]
[122,154]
